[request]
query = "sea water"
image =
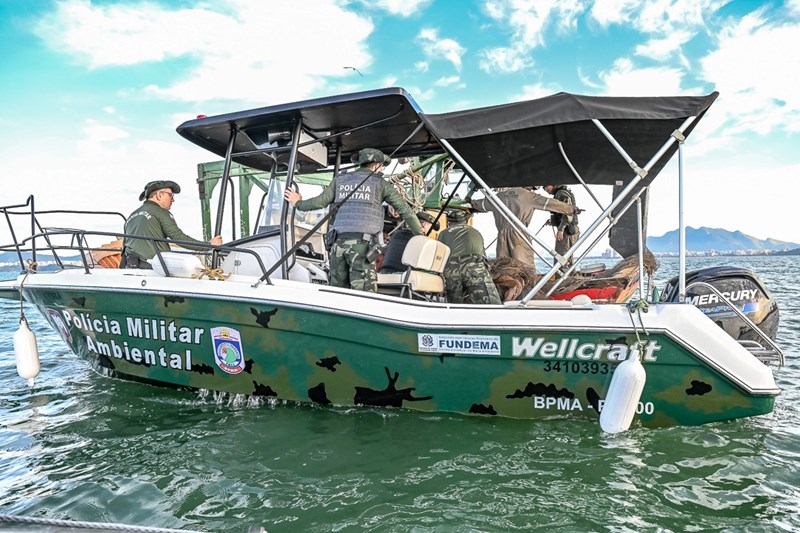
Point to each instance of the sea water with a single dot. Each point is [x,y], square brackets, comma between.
[80,446]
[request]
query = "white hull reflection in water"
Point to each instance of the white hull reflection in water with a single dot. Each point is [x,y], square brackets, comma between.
[80,446]
[232,400]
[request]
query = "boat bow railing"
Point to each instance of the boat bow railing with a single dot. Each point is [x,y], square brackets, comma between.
[79,243]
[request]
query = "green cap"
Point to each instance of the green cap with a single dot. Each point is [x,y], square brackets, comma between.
[157,185]
[370,155]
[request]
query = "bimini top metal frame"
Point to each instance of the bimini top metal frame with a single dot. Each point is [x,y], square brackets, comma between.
[563,139]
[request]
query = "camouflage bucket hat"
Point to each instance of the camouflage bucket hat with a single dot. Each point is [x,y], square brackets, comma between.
[370,155]
[157,185]
[427,217]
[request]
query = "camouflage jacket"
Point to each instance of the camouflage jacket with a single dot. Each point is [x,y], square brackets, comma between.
[463,240]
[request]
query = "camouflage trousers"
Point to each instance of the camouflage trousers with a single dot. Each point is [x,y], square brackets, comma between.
[565,244]
[350,268]
[467,280]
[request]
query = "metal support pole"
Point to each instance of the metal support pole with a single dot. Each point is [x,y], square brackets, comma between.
[640,237]
[640,173]
[612,222]
[298,127]
[519,228]
[681,230]
[224,183]
[578,176]
[33,229]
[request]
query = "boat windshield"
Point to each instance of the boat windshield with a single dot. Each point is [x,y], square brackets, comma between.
[274,198]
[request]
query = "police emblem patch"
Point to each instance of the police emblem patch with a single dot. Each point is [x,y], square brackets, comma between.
[228,352]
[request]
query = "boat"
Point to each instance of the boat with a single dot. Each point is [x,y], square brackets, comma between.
[257,318]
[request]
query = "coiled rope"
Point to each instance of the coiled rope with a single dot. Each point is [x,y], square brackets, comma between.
[214,274]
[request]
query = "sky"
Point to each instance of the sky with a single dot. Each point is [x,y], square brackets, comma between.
[92,91]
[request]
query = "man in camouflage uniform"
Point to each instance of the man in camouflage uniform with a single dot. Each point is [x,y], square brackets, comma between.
[359,221]
[153,219]
[566,226]
[522,202]
[466,274]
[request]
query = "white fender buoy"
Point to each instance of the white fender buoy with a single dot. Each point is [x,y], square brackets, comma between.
[623,394]
[26,352]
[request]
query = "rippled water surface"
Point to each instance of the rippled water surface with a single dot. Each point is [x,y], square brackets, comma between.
[79,446]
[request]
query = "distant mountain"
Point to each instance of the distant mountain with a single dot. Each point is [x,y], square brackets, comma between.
[707,239]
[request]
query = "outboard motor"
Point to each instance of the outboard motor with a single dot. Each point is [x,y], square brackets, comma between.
[742,287]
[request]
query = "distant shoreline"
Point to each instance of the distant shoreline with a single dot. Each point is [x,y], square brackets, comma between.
[730,253]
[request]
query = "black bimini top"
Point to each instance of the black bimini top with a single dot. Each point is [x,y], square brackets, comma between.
[514,144]
[381,119]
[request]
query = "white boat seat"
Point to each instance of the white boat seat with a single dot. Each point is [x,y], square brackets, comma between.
[425,259]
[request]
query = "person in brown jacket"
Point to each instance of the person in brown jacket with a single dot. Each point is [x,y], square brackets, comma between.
[521,201]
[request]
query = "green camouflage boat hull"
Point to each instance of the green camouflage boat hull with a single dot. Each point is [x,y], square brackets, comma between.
[315,355]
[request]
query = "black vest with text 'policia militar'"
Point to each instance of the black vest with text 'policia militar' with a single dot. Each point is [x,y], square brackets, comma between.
[362,212]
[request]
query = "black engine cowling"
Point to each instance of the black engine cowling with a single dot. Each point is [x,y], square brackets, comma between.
[742,287]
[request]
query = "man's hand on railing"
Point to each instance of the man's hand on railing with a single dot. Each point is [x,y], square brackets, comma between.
[292,196]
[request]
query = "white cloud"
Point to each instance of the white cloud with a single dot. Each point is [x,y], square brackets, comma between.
[436,48]
[238,49]
[403,8]
[670,24]
[446,81]
[420,95]
[503,59]
[607,12]
[128,34]
[496,9]
[90,172]
[527,21]
[624,79]
[662,49]
[757,93]
[534,91]
[421,66]
[753,68]
[101,133]
[658,16]
[666,16]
